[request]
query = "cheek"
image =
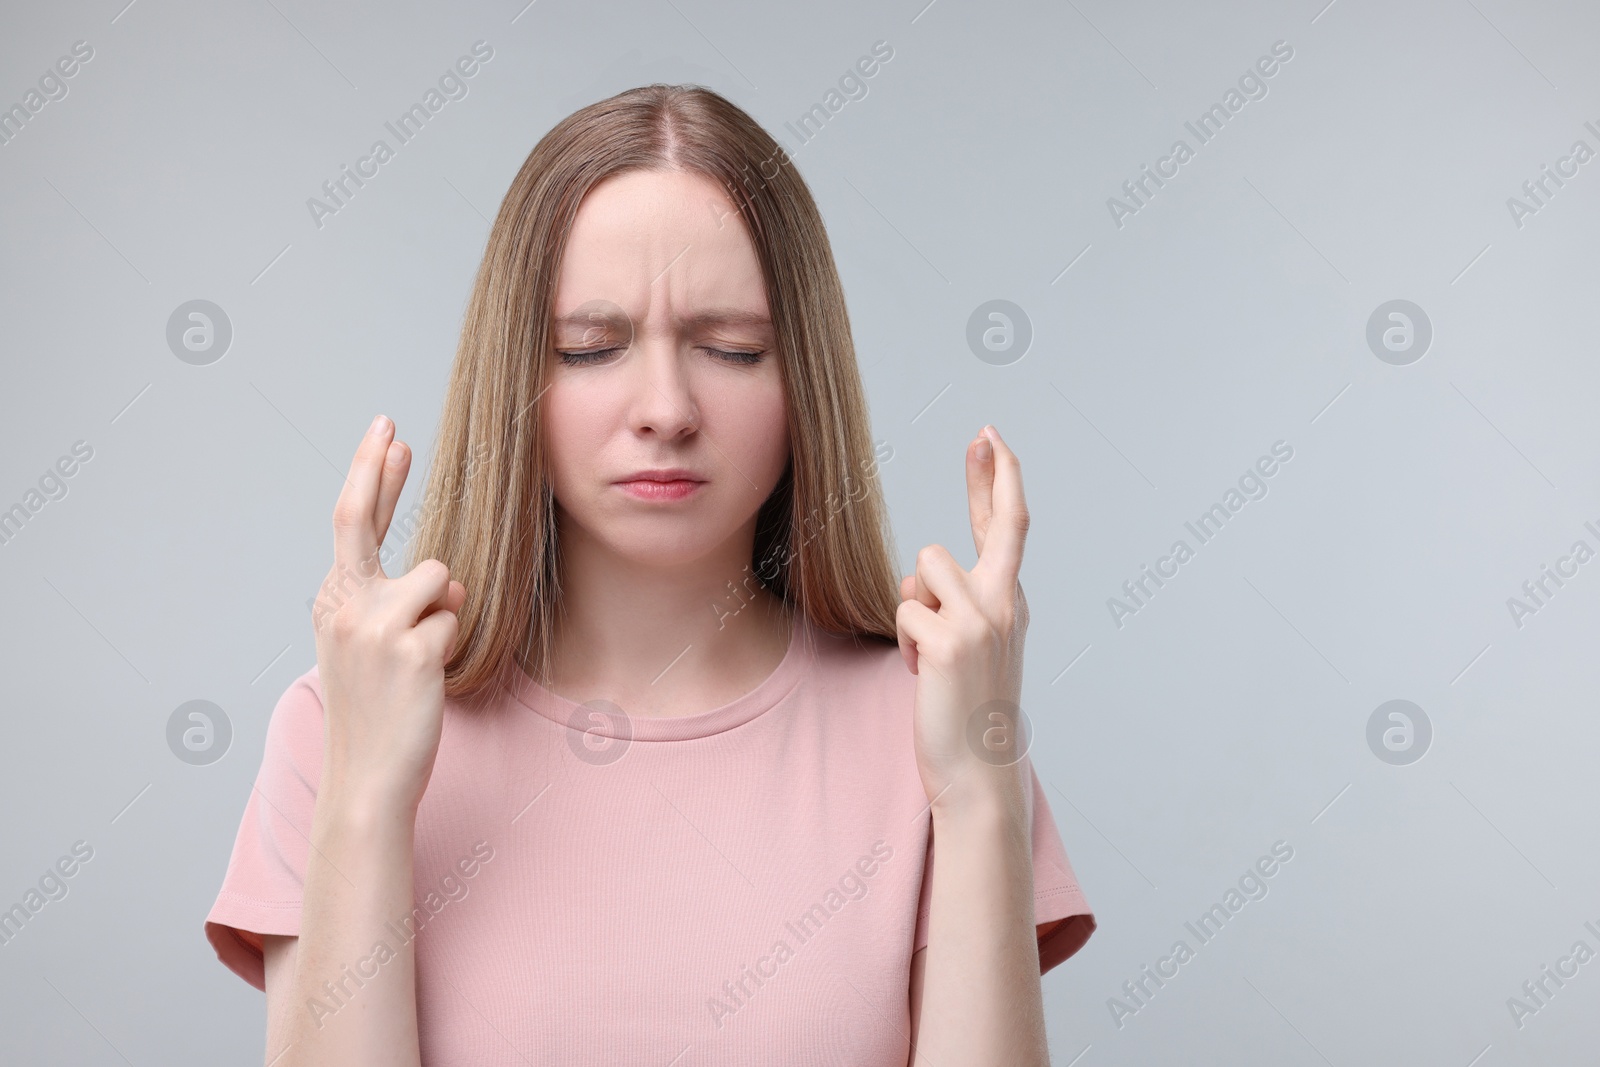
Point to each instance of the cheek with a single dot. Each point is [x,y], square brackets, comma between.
[760,422]
[573,426]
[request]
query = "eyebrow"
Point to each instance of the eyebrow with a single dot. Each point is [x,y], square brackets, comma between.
[709,317]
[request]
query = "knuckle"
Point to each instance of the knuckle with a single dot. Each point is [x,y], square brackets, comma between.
[342,624]
[416,645]
[346,513]
[410,650]
[440,637]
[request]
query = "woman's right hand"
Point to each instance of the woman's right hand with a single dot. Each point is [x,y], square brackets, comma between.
[382,643]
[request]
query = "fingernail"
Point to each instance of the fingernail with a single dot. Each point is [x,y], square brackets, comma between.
[985,450]
[379,424]
[988,428]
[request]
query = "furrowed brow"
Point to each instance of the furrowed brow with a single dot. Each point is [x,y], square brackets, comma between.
[736,317]
[729,317]
[595,317]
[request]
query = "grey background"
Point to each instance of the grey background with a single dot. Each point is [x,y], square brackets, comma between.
[1229,313]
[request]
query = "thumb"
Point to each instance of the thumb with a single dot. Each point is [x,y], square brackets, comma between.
[454,596]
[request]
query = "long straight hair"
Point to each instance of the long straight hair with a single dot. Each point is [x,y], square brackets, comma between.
[823,541]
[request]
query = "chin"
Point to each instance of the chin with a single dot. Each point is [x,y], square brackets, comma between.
[661,542]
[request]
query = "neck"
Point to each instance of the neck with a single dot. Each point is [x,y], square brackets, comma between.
[661,640]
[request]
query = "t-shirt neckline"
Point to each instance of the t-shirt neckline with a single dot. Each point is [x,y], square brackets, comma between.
[558,709]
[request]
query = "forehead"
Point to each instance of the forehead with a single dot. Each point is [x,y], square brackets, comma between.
[662,246]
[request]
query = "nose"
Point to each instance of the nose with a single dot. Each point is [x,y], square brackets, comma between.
[662,389]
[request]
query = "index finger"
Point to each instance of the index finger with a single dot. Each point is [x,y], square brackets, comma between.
[355,535]
[1006,527]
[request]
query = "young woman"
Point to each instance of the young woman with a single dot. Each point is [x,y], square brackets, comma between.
[644,758]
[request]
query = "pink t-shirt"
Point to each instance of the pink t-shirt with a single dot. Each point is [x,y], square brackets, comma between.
[745,885]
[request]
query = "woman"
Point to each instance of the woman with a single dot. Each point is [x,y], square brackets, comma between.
[654,491]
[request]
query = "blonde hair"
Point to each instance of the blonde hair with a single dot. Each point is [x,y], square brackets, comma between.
[823,541]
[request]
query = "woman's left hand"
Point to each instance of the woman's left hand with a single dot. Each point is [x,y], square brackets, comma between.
[961,634]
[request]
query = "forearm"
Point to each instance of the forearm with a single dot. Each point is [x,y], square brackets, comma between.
[350,1002]
[981,999]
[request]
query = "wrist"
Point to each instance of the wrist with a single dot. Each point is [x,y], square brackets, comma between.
[365,810]
[984,796]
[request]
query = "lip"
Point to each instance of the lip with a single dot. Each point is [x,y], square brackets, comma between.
[661,484]
[662,474]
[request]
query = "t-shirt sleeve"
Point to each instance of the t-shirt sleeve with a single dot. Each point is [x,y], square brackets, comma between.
[262,889]
[1061,915]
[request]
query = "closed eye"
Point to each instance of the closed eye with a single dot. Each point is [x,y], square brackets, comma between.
[585,358]
[747,359]
[589,357]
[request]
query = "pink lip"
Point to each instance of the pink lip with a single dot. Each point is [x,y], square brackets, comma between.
[649,489]
[661,483]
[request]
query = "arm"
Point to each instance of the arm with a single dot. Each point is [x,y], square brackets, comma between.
[358,876]
[346,992]
[277,958]
[978,980]
[975,991]
[919,969]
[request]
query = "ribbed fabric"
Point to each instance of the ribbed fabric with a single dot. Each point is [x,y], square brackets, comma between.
[741,886]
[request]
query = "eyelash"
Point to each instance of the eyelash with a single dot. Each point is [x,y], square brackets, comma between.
[587,358]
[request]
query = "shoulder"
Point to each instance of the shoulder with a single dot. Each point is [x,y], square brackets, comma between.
[301,701]
[295,728]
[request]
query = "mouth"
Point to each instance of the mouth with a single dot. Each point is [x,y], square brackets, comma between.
[673,483]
